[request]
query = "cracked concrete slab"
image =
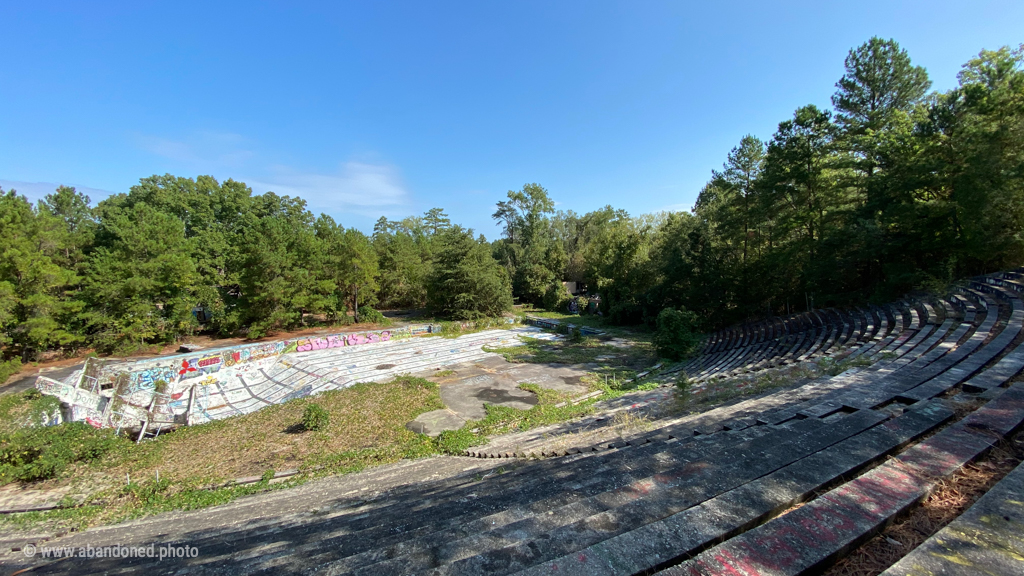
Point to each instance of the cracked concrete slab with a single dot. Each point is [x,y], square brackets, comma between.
[493,380]
[436,421]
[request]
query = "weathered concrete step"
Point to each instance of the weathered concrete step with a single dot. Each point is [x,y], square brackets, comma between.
[815,534]
[534,490]
[542,537]
[986,539]
[539,485]
[694,529]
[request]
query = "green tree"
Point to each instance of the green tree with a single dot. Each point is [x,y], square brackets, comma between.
[976,148]
[75,224]
[529,251]
[880,84]
[880,80]
[37,295]
[275,262]
[140,281]
[466,282]
[436,221]
[405,253]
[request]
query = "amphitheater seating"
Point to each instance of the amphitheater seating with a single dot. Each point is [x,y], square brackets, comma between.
[296,375]
[700,494]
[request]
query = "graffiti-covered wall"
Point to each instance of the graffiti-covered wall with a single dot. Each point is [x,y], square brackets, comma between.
[168,390]
[219,383]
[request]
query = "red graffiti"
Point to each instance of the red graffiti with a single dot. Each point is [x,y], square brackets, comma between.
[726,560]
[185,368]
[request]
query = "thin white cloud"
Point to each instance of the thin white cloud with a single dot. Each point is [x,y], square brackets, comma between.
[358,187]
[38,190]
[675,208]
[202,149]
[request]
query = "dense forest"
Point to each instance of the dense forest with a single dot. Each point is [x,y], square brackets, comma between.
[892,188]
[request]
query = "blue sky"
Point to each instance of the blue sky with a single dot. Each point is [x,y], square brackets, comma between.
[373,108]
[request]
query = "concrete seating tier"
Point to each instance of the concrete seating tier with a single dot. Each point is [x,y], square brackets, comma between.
[868,332]
[984,540]
[316,371]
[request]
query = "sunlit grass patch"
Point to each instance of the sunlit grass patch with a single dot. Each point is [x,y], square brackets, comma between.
[180,470]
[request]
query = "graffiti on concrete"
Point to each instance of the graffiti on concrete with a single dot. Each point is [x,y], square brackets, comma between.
[199,387]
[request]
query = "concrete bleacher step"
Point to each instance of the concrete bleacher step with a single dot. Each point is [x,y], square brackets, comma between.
[816,399]
[554,483]
[745,348]
[685,533]
[817,533]
[651,488]
[986,539]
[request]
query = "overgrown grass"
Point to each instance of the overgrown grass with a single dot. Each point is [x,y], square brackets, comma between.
[552,407]
[369,416]
[834,367]
[9,368]
[28,408]
[641,332]
[585,351]
[366,427]
[454,329]
[42,453]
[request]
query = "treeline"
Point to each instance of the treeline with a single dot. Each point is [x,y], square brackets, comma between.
[894,188]
[175,256]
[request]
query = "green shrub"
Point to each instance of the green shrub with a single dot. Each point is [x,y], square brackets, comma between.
[315,417]
[582,304]
[367,314]
[29,408]
[676,336]
[9,368]
[556,297]
[39,453]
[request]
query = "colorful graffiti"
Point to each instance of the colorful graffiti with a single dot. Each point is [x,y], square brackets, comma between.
[232,378]
[340,340]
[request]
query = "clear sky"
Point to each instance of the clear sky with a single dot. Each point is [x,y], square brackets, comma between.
[389,108]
